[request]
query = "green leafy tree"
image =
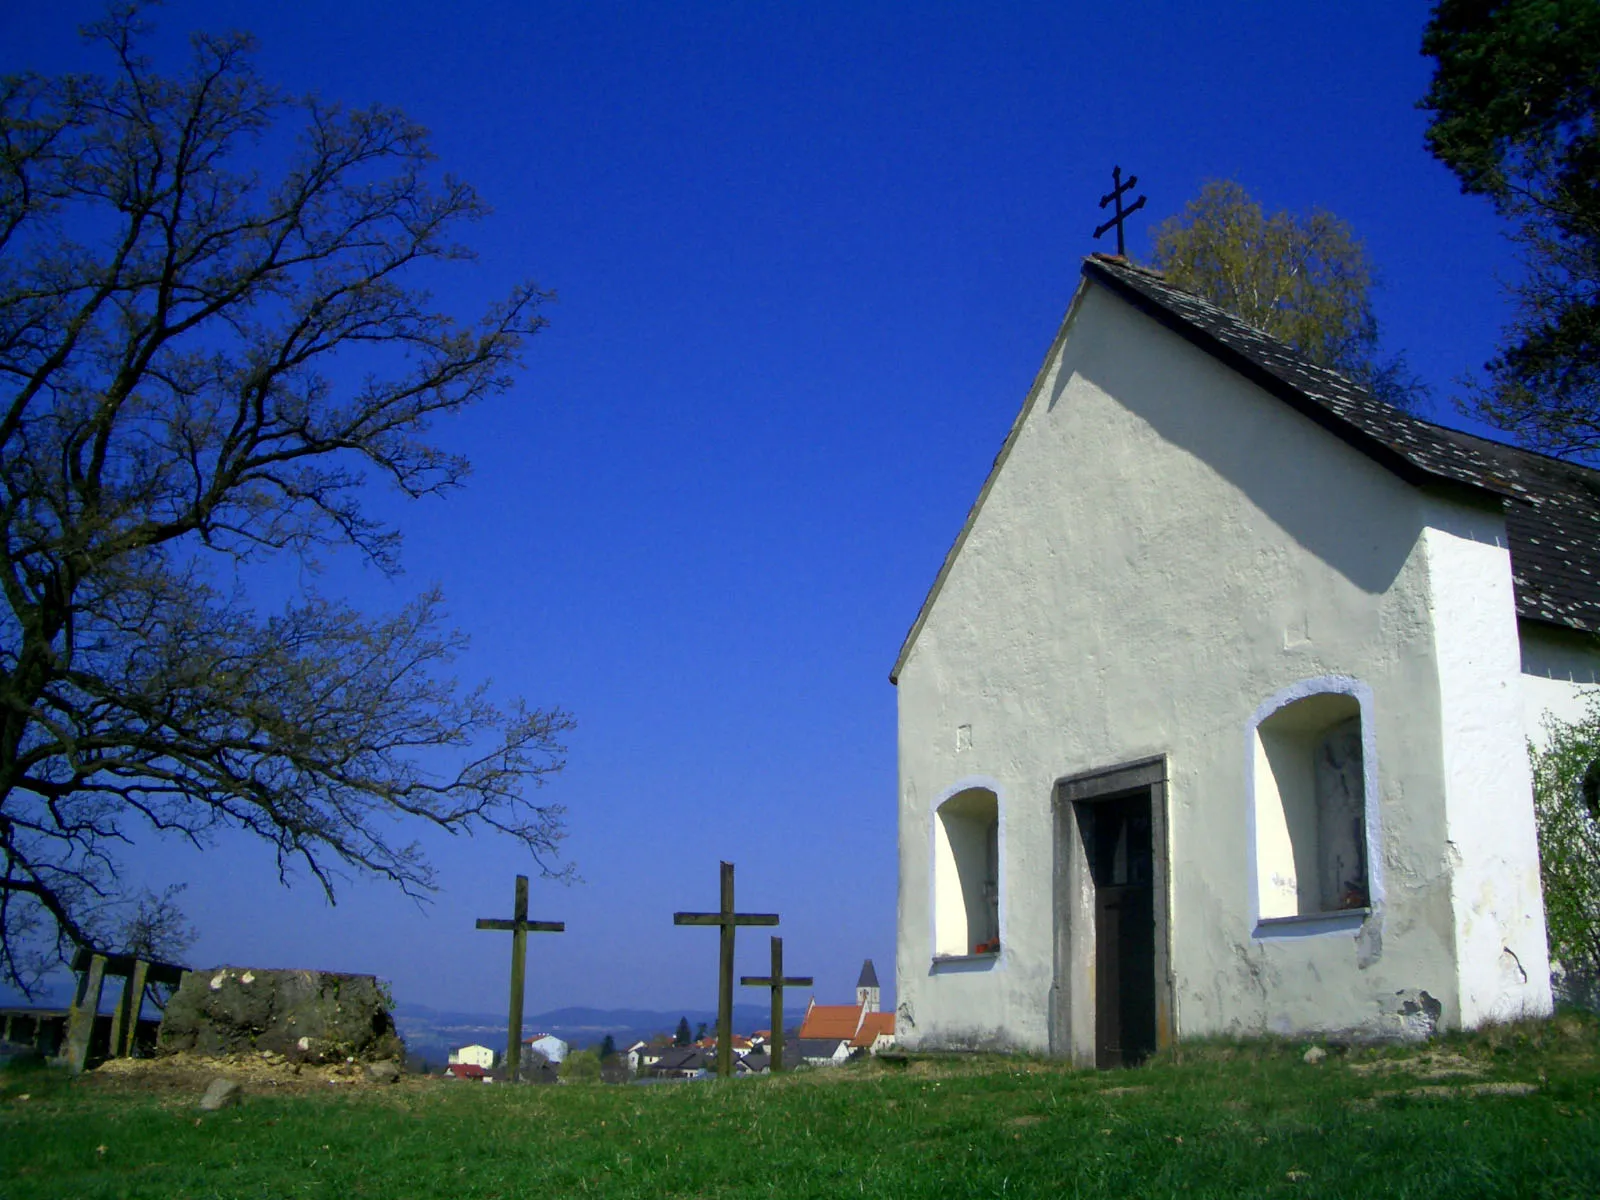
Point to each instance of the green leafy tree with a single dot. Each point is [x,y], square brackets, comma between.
[608,1048]
[1514,100]
[1566,800]
[211,336]
[682,1037]
[580,1066]
[1305,280]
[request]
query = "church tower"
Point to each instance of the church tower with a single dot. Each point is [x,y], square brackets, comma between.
[867,987]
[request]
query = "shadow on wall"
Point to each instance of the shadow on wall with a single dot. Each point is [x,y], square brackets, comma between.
[1288,467]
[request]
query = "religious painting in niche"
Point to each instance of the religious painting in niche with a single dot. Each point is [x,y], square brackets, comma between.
[966,875]
[1310,808]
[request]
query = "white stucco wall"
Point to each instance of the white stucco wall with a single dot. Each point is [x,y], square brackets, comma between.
[1162,548]
[1560,668]
[1492,845]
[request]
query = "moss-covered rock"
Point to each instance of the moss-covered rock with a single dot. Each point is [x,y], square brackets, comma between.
[307,1016]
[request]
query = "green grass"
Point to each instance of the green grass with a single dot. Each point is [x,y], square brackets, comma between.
[1228,1121]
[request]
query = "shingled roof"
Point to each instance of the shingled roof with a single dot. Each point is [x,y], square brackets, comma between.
[1553,523]
[1552,506]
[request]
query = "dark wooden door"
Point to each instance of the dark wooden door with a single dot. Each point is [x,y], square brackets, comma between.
[1124,929]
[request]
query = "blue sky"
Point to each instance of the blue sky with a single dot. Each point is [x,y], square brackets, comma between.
[808,260]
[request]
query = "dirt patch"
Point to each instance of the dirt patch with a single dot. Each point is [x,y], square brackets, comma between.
[258,1071]
[1125,1091]
[1020,1122]
[1443,1091]
[1430,1064]
[934,1065]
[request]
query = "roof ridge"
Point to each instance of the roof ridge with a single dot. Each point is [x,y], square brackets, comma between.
[1122,260]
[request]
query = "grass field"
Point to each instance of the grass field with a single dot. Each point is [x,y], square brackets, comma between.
[1512,1113]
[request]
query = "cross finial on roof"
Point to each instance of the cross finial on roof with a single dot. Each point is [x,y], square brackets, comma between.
[1119,186]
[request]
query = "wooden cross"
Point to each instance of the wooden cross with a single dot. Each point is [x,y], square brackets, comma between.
[726,919]
[519,927]
[1118,187]
[777,981]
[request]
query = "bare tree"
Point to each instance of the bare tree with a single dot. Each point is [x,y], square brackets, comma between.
[155,928]
[200,368]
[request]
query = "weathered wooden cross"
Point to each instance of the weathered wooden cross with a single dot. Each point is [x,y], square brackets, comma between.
[726,919]
[777,981]
[519,926]
[1118,187]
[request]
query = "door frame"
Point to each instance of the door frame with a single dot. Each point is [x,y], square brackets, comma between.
[1072,994]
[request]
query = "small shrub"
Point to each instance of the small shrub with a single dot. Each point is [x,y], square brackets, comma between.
[1566,803]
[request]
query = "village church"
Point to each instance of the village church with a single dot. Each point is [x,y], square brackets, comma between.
[1215,719]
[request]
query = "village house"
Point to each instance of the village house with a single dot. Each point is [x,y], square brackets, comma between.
[831,1033]
[641,1054]
[682,1062]
[818,1052]
[473,1054]
[534,1067]
[553,1048]
[1215,718]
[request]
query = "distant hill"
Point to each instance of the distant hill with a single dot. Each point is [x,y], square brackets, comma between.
[431,1033]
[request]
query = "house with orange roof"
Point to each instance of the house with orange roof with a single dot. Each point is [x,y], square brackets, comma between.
[850,1028]
[831,1021]
[876,1033]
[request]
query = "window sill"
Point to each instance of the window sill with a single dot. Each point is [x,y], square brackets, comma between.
[955,963]
[1343,920]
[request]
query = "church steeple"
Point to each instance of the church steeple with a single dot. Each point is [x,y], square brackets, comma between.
[867,987]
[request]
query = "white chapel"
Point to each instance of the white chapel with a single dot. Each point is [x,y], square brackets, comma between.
[1215,719]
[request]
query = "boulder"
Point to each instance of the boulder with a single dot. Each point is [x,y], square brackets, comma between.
[305,1016]
[387,1071]
[220,1094]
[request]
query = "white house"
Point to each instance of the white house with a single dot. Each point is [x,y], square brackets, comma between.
[636,1053]
[548,1044]
[473,1055]
[1215,717]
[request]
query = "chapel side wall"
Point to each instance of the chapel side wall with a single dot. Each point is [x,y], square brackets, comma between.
[1142,573]
[1560,668]
[1503,961]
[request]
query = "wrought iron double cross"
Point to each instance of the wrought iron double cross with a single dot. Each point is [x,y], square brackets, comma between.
[1115,194]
